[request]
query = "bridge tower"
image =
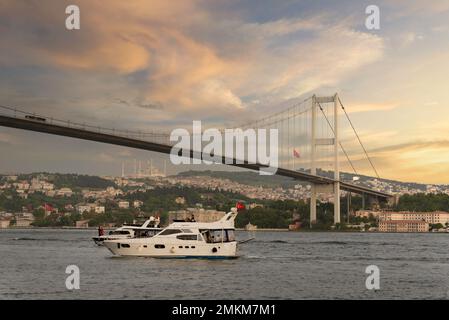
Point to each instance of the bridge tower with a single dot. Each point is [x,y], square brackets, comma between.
[335,142]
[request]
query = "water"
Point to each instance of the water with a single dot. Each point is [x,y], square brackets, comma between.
[277,265]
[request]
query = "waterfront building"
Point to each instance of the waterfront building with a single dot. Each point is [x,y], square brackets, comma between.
[429,217]
[4,223]
[24,219]
[403,226]
[367,213]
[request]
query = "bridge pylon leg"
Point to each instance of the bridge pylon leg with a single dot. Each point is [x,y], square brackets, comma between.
[313,205]
[336,202]
[336,163]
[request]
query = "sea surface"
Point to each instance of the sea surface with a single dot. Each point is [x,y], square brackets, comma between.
[276,265]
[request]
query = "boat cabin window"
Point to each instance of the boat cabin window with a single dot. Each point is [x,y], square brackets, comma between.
[231,235]
[119,232]
[220,235]
[151,233]
[187,237]
[167,232]
[145,233]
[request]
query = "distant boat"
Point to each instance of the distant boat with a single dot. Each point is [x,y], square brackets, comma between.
[250,227]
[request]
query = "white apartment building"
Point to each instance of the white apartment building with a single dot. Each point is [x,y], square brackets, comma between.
[137,203]
[24,219]
[403,226]
[99,209]
[90,207]
[23,185]
[4,223]
[429,217]
[123,204]
[64,192]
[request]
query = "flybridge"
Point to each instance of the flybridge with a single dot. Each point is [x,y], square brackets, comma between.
[226,147]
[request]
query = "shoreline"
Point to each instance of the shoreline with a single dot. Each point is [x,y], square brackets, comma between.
[237,229]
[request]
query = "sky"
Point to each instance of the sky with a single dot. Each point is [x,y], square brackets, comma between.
[147,65]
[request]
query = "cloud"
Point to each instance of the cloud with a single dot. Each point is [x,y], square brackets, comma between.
[184,58]
[139,104]
[7,138]
[413,146]
[422,161]
[104,157]
[419,7]
[366,107]
[409,38]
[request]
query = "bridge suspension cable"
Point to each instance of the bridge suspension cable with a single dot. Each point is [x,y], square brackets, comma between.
[358,138]
[277,114]
[341,145]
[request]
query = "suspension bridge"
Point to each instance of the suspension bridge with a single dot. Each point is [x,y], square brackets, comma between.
[313,144]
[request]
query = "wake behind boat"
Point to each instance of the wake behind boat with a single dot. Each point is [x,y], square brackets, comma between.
[148,229]
[184,240]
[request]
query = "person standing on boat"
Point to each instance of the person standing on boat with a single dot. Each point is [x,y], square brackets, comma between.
[100,231]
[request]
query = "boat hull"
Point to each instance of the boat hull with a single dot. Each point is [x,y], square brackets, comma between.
[99,241]
[162,249]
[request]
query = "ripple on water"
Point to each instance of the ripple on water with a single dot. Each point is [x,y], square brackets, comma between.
[276,265]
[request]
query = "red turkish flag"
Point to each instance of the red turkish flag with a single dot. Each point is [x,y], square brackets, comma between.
[296,154]
[240,206]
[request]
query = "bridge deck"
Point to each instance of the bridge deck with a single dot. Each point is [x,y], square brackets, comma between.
[67,131]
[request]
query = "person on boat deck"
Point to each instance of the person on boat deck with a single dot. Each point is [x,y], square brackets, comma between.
[192,218]
[100,231]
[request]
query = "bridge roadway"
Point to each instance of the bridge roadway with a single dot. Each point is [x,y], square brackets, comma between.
[79,133]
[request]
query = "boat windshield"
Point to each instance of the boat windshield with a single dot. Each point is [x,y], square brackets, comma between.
[167,232]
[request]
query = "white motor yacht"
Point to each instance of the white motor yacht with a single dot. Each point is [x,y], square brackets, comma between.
[148,229]
[184,240]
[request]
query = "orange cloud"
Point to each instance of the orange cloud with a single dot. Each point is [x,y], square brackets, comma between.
[366,107]
[190,61]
